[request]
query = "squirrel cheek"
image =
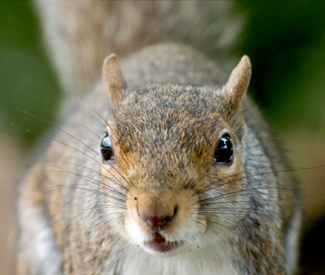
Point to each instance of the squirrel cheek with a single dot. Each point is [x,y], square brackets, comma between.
[132,227]
[202,224]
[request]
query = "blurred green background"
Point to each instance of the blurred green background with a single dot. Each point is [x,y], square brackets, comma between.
[286,43]
[284,39]
[26,77]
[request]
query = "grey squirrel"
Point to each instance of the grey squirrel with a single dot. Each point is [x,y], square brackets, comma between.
[181,177]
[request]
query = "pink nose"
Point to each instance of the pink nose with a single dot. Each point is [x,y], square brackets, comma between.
[157,211]
[156,221]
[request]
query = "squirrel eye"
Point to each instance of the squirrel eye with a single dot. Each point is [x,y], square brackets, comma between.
[224,152]
[106,148]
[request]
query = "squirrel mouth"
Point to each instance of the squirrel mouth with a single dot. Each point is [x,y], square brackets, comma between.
[159,244]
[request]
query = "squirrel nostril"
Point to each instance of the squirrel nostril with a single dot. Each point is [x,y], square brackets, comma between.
[175,210]
[156,221]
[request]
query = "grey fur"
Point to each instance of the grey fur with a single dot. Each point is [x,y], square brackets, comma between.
[89,231]
[76,207]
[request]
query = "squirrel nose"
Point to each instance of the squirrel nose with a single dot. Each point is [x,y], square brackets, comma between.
[155,216]
[156,221]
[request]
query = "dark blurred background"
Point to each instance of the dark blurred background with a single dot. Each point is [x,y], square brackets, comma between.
[286,43]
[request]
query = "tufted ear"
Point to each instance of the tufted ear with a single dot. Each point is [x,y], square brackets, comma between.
[238,82]
[113,80]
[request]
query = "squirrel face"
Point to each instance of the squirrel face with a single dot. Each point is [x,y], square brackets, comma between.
[165,141]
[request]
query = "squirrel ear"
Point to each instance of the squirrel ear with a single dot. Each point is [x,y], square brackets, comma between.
[238,82]
[113,80]
[235,92]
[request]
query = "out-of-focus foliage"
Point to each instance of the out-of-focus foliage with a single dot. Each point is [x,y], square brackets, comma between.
[27,82]
[286,42]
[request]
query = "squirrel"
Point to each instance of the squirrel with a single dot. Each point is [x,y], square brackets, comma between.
[165,166]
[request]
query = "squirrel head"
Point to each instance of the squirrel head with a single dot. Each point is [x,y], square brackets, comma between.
[177,155]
